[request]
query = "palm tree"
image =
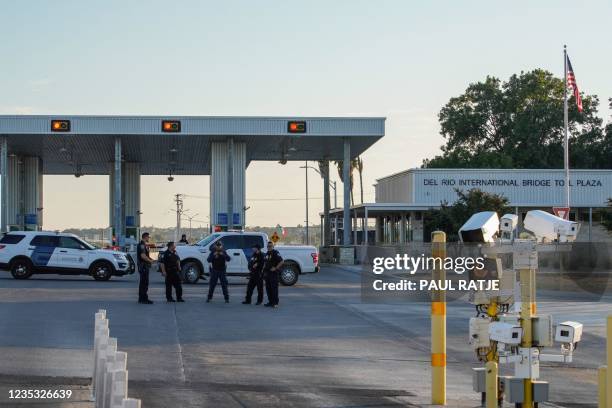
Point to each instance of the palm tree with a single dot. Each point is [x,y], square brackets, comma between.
[340,166]
[359,166]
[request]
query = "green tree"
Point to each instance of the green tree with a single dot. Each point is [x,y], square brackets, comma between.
[449,218]
[519,124]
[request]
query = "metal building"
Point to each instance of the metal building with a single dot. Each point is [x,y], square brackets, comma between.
[403,198]
[126,147]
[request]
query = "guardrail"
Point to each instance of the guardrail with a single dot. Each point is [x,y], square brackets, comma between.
[109,387]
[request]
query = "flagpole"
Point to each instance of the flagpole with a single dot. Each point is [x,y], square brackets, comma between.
[566,138]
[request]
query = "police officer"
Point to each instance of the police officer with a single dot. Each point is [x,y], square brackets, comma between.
[218,260]
[273,263]
[144,265]
[170,267]
[256,264]
[184,240]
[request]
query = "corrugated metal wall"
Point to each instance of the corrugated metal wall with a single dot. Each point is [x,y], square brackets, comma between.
[394,189]
[219,180]
[524,187]
[14,181]
[25,191]
[130,193]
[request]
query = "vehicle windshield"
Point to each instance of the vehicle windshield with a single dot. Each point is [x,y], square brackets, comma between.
[206,241]
[87,244]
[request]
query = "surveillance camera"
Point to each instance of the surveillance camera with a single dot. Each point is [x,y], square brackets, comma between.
[506,333]
[548,227]
[508,222]
[77,175]
[568,332]
[170,178]
[507,225]
[481,227]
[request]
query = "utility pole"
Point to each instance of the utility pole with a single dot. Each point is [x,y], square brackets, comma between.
[178,198]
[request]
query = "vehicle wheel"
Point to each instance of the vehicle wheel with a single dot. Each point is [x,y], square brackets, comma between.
[21,268]
[289,274]
[101,271]
[191,272]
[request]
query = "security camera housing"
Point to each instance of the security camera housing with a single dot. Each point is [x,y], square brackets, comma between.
[506,333]
[481,227]
[548,227]
[568,332]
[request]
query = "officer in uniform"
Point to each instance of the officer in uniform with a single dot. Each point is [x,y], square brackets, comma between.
[144,265]
[170,267]
[256,264]
[184,240]
[273,263]
[218,260]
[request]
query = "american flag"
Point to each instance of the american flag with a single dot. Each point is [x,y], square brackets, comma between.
[571,81]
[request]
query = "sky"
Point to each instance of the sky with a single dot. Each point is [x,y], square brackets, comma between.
[399,59]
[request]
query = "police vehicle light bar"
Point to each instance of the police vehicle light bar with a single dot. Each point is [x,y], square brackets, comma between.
[60,125]
[298,126]
[171,126]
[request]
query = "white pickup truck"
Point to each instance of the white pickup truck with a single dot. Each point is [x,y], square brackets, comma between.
[298,259]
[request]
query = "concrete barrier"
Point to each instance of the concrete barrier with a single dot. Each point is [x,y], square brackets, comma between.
[110,376]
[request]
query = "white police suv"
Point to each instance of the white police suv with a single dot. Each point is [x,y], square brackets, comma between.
[28,252]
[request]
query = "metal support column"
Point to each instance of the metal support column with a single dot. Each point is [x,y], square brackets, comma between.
[590,223]
[326,233]
[230,183]
[336,229]
[4,182]
[402,238]
[346,172]
[377,228]
[365,226]
[354,218]
[118,222]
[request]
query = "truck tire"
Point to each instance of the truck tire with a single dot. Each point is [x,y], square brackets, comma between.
[191,271]
[289,274]
[101,270]
[21,268]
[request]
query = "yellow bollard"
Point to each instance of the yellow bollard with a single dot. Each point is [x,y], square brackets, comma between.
[438,324]
[491,384]
[602,387]
[608,391]
[528,310]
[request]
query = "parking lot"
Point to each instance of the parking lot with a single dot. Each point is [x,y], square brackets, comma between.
[322,348]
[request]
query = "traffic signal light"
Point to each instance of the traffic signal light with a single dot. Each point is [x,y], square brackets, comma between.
[60,125]
[171,126]
[296,126]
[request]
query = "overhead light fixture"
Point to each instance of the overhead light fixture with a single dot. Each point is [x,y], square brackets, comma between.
[171,126]
[293,149]
[296,126]
[173,150]
[60,125]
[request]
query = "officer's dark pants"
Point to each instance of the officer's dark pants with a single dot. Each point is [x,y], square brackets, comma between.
[173,279]
[255,280]
[214,277]
[143,285]
[272,287]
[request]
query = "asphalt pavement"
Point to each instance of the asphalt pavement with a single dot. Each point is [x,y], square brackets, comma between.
[322,347]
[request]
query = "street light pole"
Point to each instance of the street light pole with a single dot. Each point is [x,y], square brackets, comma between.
[306,171]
